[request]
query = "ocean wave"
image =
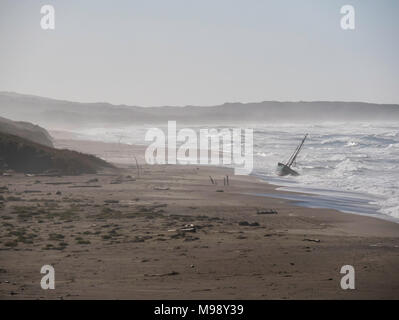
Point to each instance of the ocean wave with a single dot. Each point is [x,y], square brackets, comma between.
[362,158]
[348,157]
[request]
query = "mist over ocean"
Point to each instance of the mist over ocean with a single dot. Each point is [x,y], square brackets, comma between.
[358,162]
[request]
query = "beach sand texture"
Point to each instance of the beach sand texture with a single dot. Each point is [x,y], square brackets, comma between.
[169,233]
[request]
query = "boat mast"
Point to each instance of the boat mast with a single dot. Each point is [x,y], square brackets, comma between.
[296,152]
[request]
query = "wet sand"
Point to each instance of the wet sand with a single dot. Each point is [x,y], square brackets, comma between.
[169,233]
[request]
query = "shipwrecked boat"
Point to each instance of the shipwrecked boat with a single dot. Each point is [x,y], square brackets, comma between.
[285,169]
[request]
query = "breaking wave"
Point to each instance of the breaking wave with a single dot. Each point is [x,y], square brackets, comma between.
[361,159]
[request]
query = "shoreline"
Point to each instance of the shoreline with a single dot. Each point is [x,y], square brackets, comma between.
[307,199]
[304,200]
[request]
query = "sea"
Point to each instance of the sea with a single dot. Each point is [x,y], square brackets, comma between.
[351,167]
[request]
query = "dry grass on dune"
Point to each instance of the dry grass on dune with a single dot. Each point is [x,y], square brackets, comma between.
[22,155]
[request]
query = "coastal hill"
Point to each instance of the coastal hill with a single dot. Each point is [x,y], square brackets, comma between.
[22,155]
[53,113]
[26,130]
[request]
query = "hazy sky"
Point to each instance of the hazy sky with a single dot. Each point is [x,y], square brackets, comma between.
[203,52]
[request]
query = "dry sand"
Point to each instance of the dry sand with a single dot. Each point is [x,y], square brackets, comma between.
[117,235]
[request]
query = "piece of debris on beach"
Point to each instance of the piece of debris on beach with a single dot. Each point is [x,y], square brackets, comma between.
[248,224]
[172,273]
[188,228]
[161,188]
[311,240]
[267,211]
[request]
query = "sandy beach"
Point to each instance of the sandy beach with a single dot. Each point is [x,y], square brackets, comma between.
[168,232]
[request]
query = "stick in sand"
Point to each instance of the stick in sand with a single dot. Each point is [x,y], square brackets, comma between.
[137,166]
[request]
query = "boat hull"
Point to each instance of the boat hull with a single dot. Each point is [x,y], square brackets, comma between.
[284,170]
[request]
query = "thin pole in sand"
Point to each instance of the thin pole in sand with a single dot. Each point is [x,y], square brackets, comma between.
[137,166]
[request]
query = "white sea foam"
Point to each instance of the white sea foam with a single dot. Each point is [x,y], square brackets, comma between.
[361,158]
